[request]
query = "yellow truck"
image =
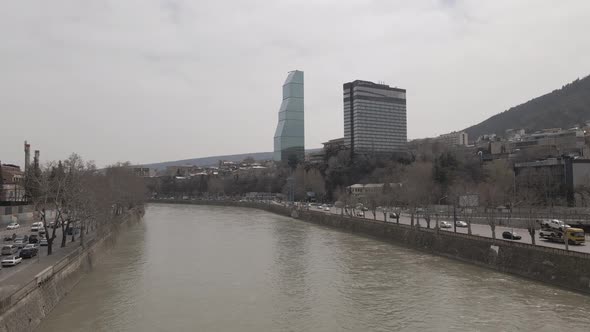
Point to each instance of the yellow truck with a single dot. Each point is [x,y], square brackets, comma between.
[557,231]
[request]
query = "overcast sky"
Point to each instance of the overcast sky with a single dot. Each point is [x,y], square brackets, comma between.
[152,80]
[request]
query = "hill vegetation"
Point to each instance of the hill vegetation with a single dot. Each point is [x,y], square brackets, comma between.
[563,108]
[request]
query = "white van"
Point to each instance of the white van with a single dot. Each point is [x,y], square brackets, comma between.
[36,226]
[9,249]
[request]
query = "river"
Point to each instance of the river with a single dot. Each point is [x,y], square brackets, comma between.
[201,268]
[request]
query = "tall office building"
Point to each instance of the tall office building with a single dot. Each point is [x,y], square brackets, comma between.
[289,139]
[374,118]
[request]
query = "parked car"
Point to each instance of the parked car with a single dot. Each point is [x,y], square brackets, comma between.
[54,224]
[511,235]
[21,241]
[393,215]
[13,226]
[360,214]
[11,261]
[71,230]
[29,251]
[9,249]
[326,208]
[445,224]
[32,245]
[460,223]
[42,231]
[43,242]
[34,238]
[8,237]
[36,226]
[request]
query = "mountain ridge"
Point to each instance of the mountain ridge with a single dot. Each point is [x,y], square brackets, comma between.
[213,160]
[561,108]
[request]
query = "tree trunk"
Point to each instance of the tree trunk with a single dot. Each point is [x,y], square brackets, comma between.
[532,232]
[412,218]
[63,238]
[374,214]
[469,226]
[64,227]
[493,227]
[49,240]
[82,234]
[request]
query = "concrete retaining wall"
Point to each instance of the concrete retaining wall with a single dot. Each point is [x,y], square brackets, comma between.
[568,269]
[24,309]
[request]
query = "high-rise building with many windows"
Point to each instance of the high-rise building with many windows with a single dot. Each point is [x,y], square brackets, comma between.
[374,118]
[289,139]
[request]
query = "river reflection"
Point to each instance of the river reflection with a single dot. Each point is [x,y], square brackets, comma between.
[198,268]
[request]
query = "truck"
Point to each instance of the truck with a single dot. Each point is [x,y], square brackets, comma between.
[557,231]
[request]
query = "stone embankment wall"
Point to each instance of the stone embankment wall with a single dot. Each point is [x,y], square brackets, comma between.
[558,267]
[24,309]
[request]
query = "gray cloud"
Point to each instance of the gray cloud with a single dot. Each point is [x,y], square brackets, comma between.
[160,80]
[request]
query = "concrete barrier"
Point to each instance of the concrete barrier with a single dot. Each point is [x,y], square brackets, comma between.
[44,275]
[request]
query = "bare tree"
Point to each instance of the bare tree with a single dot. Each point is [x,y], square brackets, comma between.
[344,200]
[75,194]
[314,181]
[491,217]
[491,196]
[427,216]
[418,188]
[371,201]
[49,187]
[531,226]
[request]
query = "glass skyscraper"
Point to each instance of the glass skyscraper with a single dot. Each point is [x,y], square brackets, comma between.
[289,139]
[374,118]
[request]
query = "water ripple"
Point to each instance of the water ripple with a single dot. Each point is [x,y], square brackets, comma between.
[191,268]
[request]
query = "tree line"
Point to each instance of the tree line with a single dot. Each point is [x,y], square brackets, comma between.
[74,194]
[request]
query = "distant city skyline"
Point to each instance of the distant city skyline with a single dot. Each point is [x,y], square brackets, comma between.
[170,80]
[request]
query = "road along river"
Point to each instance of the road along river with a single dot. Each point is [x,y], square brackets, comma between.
[206,268]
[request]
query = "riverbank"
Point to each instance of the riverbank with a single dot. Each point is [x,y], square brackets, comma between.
[558,267]
[24,309]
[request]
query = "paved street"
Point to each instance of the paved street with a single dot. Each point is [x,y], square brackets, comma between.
[477,229]
[12,278]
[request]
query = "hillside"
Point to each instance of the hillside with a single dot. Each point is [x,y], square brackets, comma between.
[214,160]
[563,108]
[211,161]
